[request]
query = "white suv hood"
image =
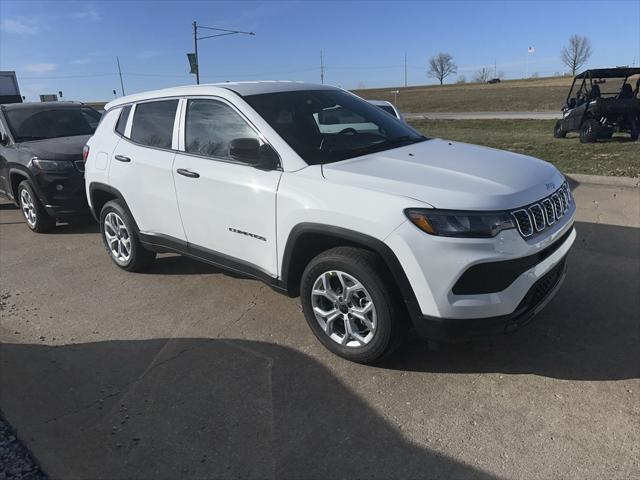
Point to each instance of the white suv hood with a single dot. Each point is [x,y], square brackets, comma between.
[451,175]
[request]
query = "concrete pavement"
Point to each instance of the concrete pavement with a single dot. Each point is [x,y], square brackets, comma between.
[188,372]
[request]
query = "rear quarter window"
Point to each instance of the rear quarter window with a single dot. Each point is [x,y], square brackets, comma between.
[122,120]
[153,123]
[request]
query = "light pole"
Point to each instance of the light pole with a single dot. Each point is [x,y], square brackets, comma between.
[196,38]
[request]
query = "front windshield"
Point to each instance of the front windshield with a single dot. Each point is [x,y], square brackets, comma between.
[39,123]
[325,126]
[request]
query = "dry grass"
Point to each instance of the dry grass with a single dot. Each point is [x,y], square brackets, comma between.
[618,157]
[512,95]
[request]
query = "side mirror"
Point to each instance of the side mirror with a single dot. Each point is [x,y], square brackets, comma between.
[4,139]
[249,150]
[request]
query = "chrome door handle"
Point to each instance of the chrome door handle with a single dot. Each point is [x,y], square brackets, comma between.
[188,173]
[122,158]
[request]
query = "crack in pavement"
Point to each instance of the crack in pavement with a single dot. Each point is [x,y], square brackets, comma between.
[121,389]
[251,306]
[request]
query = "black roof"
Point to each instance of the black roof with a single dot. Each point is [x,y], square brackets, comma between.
[40,105]
[617,72]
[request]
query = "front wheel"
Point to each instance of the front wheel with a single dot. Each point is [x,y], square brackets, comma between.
[589,131]
[32,209]
[348,304]
[558,131]
[121,240]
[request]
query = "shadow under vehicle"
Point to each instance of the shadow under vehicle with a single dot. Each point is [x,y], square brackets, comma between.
[600,102]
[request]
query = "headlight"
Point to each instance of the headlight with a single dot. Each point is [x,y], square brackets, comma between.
[52,165]
[452,223]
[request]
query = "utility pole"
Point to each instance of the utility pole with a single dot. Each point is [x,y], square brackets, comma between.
[321,68]
[195,43]
[196,38]
[120,73]
[405,69]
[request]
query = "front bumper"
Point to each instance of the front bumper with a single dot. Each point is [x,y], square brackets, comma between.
[62,194]
[537,298]
[434,267]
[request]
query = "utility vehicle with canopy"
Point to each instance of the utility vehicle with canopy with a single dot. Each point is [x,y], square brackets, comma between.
[600,102]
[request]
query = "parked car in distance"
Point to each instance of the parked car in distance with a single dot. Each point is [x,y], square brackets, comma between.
[41,159]
[600,102]
[376,230]
[388,107]
[494,80]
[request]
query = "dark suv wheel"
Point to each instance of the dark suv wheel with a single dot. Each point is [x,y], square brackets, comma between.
[34,213]
[120,238]
[589,131]
[348,304]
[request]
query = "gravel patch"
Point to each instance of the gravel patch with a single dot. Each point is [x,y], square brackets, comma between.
[16,462]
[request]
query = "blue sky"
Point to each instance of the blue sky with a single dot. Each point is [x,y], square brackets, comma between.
[72,46]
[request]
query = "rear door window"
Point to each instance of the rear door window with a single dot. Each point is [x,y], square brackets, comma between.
[153,123]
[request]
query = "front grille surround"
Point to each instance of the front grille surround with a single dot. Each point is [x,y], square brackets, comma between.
[539,216]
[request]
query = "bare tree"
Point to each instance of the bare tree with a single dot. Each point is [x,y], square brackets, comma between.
[441,66]
[461,79]
[482,76]
[576,53]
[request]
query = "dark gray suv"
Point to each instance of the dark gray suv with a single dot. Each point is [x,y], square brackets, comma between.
[41,159]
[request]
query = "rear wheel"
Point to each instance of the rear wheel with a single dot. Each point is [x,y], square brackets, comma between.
[32,209]
[121,240]
[635,129]
[558,131]
[589,131]
[347,303]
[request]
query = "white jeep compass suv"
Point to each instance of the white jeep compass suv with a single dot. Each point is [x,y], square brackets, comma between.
[376,227]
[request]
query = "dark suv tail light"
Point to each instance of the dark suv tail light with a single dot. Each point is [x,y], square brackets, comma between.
[85,152]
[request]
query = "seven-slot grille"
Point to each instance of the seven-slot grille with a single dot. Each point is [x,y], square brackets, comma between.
[540,215]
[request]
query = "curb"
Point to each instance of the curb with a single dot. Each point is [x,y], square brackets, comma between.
[628,182]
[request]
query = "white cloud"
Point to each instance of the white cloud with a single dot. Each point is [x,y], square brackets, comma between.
[87,14]
[20,25]
[80,61]
[40,67]
[147,54]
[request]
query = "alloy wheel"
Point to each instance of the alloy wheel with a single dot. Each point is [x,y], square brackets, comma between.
[117,237]
[28,208]
[344,309]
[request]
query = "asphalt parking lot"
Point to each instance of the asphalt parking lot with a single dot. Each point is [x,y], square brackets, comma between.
[186,371]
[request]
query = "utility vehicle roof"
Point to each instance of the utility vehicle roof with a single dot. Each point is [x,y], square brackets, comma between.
[618,72]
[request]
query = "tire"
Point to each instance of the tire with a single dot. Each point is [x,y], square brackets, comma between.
[35,215]
[558,131]
[364,272]
[589,131]
[635,129]
[120,237]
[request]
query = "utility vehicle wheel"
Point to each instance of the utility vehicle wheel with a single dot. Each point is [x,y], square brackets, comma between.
[635,129]
[589,131]
[347,302]
[121,240]
[34,213]
[558,131]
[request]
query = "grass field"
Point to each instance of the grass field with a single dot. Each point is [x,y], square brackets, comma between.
[617,157]
[534,94]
